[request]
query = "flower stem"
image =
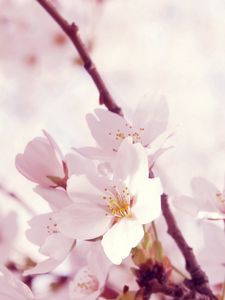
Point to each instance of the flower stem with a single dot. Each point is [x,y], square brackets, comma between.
[18,199]
[155,231]
[175,269]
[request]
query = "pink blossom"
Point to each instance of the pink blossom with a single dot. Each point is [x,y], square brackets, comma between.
[42,162]
[89,280]
[122,275]
[8,234]
[115,208]
[11,288]
[211,256]
[56,246]
[109,130]
[208,201]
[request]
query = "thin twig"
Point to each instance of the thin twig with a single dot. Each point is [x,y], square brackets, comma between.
[72,31]
[199,279]
[18,199]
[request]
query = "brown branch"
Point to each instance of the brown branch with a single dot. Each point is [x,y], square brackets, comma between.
[16,198]
[199,280]
[72,31]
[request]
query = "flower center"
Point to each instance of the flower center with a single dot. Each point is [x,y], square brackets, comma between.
[118,203]
[51,226]
[119,135]
[85,282]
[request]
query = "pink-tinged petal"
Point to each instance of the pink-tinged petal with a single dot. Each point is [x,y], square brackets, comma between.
[131,165]
[121,238]
[83,220]
[42,267]
[147,207]
[12,288]
[84,187]
[57,246]
[152,115]
[54,145]
[78,164]
[205,191]
[56,198]
[98,263]
[187,204]
[104,127]
[38,161]
[93,153]
[39,228]
[80,187]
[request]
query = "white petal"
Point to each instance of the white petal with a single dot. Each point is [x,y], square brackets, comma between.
[83,220]
[121,238]
[131,165]
[148,203]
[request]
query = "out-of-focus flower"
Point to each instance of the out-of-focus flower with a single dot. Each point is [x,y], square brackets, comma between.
[109,130]
[44,232]
[211,255]
[114,208]
[122,275]
[8,232]
[11,288]
[89,280]
[207,202]
[42,162]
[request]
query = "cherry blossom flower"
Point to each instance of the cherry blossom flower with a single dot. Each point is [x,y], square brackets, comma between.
[122,275]
[11,288]
[115,208]
[8,233]
[44,232]
[42,162]
[208,201]
[109,130]
[214,244]
[89,280]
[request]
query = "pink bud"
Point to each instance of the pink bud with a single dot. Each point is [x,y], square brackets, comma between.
[42,162]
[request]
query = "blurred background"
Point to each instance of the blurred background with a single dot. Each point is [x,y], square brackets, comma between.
[140,47]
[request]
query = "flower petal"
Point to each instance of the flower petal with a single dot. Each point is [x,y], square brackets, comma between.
[101,126]
[83,220]
[57,246]
[151,114]
[131,165]
[121,238]
[44,266]
[56,198]
[148,204]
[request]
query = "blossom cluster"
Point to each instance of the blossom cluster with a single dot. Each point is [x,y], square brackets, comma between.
[105,209]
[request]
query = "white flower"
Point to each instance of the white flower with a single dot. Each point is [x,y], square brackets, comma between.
[115,208]
[109,130]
